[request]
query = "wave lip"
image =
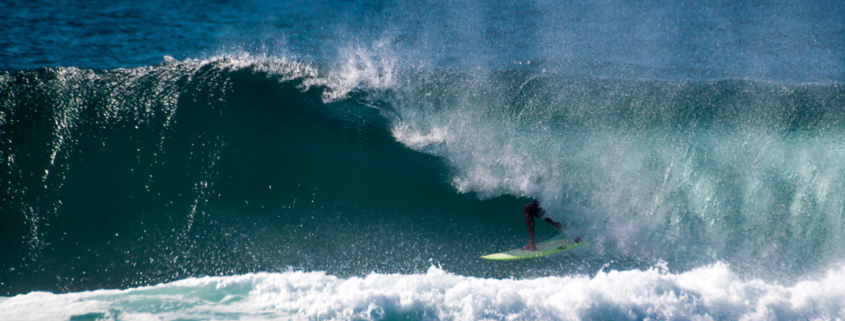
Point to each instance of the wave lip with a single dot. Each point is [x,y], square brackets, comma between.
[706,293]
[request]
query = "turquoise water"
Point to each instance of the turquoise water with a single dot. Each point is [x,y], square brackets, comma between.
[277,161]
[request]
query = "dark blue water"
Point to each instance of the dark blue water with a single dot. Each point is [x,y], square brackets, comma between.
[380,148]
[787,41]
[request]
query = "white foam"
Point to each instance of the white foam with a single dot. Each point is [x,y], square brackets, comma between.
[416,139]
[706,293]
[370,68]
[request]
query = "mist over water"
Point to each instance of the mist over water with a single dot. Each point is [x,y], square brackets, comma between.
[353,160]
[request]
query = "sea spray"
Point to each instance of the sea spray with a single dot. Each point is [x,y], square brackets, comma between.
[693,171]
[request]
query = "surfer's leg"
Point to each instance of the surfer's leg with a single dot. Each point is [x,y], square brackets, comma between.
[529,221]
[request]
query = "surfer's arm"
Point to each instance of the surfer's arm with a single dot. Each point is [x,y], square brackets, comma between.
[557,225]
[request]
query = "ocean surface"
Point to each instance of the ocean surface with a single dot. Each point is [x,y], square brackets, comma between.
[351,160]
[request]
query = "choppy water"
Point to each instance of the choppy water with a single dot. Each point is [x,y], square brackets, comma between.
[328,160]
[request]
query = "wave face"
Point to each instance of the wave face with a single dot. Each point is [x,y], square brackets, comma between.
[352,160]
[126,177]
[135,176]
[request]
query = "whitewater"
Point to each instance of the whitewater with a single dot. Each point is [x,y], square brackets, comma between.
[352,161]
[705,293]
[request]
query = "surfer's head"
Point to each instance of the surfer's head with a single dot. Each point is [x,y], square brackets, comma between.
[535,209]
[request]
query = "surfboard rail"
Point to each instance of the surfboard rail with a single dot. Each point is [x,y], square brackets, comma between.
[545,248]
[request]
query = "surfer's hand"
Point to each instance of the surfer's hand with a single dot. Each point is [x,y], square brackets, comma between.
[529,247]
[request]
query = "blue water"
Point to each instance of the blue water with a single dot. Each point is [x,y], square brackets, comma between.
[352,160]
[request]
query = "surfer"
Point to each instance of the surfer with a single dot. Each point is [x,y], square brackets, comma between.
[532,210]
